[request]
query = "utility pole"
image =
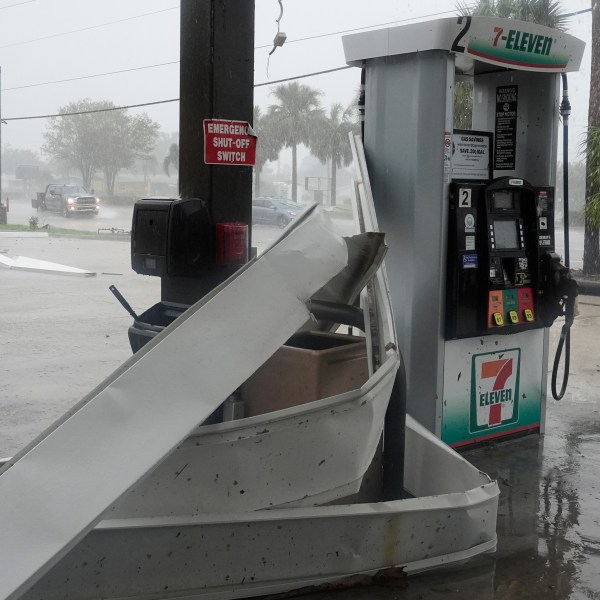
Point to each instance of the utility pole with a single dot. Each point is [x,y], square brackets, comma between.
[216,82]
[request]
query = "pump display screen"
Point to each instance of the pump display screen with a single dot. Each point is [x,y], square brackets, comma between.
[506,235]
[504,201]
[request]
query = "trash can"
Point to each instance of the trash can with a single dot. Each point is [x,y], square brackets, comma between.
[3,220]
[151,322]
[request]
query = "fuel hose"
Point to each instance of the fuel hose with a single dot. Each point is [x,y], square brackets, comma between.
[565,340]
[565,334]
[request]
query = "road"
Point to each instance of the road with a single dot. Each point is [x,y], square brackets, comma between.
[576,235]
[119,217]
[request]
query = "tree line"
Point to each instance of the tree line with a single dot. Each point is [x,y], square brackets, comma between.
[104,139]
[101,138]
[110,141]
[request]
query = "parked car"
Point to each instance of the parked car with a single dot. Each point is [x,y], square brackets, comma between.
[274,211]
[67,199]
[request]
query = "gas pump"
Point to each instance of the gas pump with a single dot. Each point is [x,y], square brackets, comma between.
[469,214]
[503,275]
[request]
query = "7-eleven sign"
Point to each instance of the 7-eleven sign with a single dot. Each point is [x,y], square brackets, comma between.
[494,389]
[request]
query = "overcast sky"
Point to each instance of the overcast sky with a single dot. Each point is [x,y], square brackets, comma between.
[36,46]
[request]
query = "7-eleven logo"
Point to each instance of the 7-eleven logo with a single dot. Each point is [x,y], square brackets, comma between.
[495,389]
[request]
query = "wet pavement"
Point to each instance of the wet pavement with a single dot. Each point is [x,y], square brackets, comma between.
[62,335]
[549,510]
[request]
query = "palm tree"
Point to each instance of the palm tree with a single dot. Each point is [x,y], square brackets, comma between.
[267,147]
[295,120]
[542,12]
[591,148]
[333,142]
[591,247]
[463,105]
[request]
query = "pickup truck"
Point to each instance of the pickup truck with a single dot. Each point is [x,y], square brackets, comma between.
[67,199]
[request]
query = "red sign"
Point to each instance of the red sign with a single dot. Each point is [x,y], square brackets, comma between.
[229,143]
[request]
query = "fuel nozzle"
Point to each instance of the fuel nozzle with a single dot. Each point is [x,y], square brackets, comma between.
[560,292]
[570,291]
[560,289]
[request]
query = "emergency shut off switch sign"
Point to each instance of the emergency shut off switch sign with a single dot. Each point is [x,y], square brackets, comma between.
[229,143]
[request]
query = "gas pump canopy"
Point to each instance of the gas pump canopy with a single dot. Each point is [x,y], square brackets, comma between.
[481,44]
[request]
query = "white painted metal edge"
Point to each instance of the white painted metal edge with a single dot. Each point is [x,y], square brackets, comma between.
[55,490]
[268,588]
[366,219]
[231,431]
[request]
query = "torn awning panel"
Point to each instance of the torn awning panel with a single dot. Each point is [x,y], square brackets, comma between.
[6,261]
[49,493]
[23,263]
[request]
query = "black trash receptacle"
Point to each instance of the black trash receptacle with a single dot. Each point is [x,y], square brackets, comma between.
[3,216]
[151,322]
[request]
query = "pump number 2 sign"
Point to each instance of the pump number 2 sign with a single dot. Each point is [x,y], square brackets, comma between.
[464,197]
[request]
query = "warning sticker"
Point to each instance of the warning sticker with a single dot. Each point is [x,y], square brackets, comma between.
[469,261]
[447,156]
[229,143]
[506,127]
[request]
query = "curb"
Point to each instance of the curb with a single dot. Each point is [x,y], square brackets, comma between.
[107,237]
[588,288]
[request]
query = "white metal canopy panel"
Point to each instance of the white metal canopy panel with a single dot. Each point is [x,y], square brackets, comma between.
[502,42]
[23,263]
[238,555]
[54,492]
[302,456]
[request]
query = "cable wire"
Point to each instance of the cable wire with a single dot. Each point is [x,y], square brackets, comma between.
[322,35]
[315,73]
[303,76]
[55,35]
[17,4]
[176,62]
[21,87]
[87,112]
